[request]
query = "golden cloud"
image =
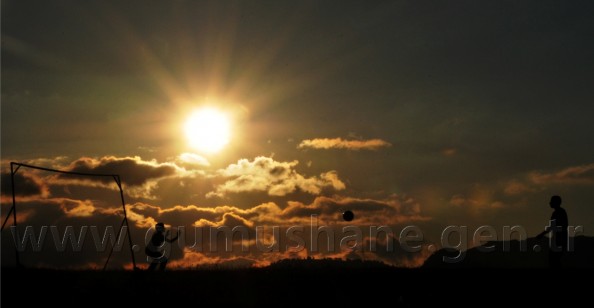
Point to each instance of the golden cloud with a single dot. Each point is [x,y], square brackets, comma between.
[577,175]
[192,159]
[264,174]
[339,143]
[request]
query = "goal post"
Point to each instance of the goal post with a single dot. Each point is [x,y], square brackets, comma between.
[14,168]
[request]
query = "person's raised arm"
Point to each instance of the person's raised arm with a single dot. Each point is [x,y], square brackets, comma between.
[541,234]
[547,229]
[173,239]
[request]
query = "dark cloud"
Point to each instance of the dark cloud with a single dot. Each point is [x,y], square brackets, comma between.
[26,185]
[575,175]
[389,211]
[133,171]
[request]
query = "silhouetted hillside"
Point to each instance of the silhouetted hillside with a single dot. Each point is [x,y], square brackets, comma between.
[296,283]
[327,264]
[325,282]
[519,255]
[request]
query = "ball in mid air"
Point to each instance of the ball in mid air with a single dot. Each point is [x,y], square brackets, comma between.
[348,215]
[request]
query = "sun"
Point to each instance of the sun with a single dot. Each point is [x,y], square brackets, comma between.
[208,130]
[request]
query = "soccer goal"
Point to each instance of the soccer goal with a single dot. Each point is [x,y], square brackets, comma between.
[14,168]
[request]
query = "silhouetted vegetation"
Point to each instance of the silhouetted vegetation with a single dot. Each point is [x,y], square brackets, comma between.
[531,253]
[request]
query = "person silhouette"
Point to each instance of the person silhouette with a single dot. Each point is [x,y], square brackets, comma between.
[558,228]
[155,250]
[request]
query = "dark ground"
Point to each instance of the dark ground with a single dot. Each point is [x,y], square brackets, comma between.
[339,285]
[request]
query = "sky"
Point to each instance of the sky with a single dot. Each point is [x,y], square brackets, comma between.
[409,113]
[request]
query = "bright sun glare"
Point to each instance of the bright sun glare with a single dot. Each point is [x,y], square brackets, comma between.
[207,130]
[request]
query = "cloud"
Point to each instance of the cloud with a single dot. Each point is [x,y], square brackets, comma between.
[233,220]
[515,187]
[140,177]
[140,213]
[26,185]
[516,191]
[577,175]
[339,143]
[461,200]
[332,177]
[57,162]
[449,151]
[264,174]
[133,170]
[392,210]
[479,199]
[192,159]
[23,215]
[77,208]
[536,181]
[191,215]
[229,219]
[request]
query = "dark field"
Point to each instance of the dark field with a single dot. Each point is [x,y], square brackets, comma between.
[336,285]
